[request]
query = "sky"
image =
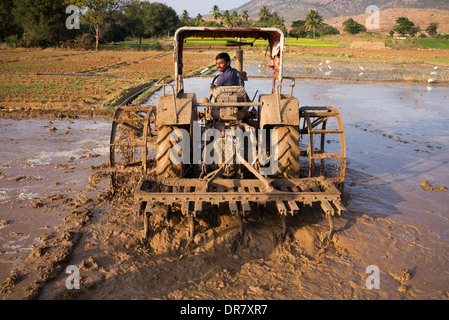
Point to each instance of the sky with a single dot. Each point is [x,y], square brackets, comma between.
[201,6]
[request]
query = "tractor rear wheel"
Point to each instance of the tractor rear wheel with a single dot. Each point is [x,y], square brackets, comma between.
[288,151]
[165,167]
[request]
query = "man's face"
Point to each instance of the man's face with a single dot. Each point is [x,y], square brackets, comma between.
[222,65]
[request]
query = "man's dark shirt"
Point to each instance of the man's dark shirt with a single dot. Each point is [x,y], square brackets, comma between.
[230,77]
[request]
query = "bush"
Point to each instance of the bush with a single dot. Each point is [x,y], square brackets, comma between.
[13,41]
[84,41]
[353,27]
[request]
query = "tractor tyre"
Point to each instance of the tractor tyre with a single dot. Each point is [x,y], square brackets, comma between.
[288,151]
[165,167]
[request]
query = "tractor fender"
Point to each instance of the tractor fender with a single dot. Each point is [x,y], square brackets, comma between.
[278,110]
[176,111]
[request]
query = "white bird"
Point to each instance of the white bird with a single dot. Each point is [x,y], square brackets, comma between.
[361,68]
[435,68]
[329,67]
[321,63]
[327,61]
[433,73]
[361,74]
[430,80]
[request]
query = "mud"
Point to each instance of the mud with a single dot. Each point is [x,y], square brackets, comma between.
[56,211]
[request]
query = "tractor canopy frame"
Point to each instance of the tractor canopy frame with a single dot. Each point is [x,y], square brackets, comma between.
[274,36]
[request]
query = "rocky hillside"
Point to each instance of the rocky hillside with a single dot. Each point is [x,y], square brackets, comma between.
[297,9]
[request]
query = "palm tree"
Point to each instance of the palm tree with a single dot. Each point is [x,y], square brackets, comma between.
[215,12]
[185,17]
[226,18]
[235,19]
[198,19]
[313,22]
[264,14]
[245,15]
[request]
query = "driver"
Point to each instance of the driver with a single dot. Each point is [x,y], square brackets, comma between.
[229,76]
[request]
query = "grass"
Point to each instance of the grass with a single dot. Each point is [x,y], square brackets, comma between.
[310,43]
[433,43]
[437,60]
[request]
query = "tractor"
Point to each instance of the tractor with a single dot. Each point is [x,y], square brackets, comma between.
[195,154]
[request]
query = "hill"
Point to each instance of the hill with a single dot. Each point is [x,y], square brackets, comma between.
[421,18]
[293,10]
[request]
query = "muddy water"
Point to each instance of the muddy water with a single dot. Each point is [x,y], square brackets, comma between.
[43,164]
[396,137]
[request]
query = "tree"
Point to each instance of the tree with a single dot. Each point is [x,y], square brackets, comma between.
[264,14]
[297,29]
[404,26]
[245,15]
[98,15]
[134,19]
[414,30]
[198,20]
[327,29]
[159,19]
[235,19]
[215,12]
[43,21]
[432,29]
[313,22]
[353,27]
[185,19]
[226,18]
[7,25]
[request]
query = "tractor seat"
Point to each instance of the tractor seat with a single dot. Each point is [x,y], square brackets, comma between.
[229,94]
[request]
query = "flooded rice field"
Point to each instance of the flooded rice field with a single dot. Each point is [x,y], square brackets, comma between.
[43,163]
[396,194]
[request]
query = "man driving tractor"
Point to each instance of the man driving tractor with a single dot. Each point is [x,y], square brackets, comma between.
[229,76]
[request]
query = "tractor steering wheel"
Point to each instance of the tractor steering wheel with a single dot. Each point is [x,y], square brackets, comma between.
[213,81]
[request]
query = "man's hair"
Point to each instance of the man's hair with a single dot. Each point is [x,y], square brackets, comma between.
[223,56]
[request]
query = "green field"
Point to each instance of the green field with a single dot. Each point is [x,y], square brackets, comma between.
[433,43]
[153,44]
[261,43]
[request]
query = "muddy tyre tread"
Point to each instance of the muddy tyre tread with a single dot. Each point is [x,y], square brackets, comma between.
[164,166]
[289,151]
